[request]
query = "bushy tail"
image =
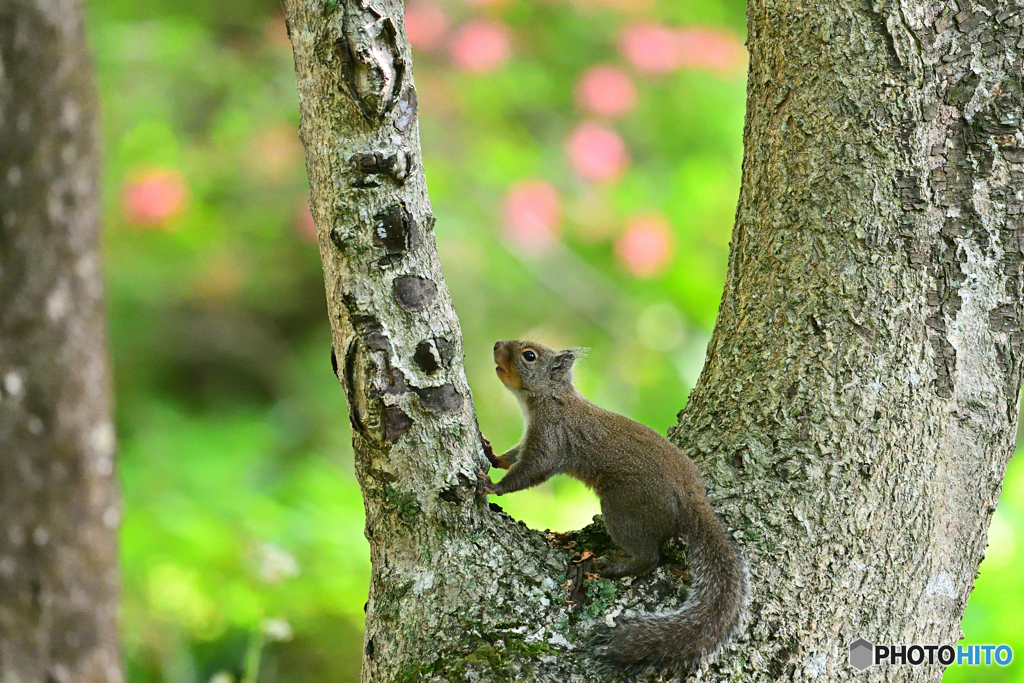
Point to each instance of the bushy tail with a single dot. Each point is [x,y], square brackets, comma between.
[705,621]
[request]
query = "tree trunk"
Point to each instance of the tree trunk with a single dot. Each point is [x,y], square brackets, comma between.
[859,400]
[860,395]
[58,501]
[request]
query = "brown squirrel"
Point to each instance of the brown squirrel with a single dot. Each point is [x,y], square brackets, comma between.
[650,492]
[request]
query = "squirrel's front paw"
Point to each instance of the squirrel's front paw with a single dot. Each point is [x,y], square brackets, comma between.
[488,451]
[484,483]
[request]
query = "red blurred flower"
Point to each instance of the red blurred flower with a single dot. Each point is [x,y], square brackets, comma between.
[481,46]
[654,48]
[597,153]
[426,25]
[153,197]
[703,48]
[304,225]
[650,47]
[645,246]
[532,213]
[606,91]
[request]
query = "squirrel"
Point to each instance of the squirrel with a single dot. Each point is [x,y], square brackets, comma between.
[650,492]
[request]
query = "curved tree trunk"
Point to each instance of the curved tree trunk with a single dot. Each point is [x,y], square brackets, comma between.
[860,395]
[859,401]
[58,500]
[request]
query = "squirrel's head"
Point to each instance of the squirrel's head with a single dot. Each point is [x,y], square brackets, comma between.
[533,368]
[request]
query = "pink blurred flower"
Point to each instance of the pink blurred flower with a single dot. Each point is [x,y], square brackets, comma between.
[153,197]
[484,3]
[654,48]
[704,48]
[426,25]
[606,91]
[597,153]
[480,46]
[304,225]
[650,47]
[645,246]
[532,213]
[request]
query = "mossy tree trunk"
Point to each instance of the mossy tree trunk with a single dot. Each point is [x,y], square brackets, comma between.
[59,507]
[859,400]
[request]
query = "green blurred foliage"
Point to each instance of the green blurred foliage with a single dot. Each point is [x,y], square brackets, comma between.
[242,527]
[994,612]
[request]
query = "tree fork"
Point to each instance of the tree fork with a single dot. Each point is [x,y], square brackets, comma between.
[859,399]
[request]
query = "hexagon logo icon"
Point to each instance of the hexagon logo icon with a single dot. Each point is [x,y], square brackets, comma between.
[861,654]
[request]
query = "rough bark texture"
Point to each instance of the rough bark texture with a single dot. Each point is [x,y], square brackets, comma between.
[859,400]
[58,502]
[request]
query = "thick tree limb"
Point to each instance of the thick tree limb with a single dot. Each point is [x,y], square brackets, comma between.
[859,401]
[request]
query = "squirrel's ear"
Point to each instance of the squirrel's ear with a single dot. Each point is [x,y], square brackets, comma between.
[564,361]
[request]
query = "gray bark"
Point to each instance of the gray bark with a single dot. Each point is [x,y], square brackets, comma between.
[859,399]
[58,501]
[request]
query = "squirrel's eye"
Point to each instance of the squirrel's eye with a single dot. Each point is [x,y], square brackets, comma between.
[529,356]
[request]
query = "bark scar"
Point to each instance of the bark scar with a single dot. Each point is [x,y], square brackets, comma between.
[372,66]
[355,415]
[369,168]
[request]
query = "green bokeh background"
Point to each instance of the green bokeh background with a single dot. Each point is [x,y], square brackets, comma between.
[241,511]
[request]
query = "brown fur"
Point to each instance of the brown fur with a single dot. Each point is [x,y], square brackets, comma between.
[650,492]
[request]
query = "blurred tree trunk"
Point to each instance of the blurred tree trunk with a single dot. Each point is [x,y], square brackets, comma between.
[859,400]
[58,501]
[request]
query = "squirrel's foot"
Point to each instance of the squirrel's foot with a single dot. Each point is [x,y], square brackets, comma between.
[484,483]
[488,451]
[609,568]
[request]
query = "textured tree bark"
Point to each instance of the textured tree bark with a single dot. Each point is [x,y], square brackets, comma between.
[859,400]
[59,508]
[860,395]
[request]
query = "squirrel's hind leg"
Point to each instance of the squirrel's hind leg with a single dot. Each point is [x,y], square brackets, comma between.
[635,566]
[643,544]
